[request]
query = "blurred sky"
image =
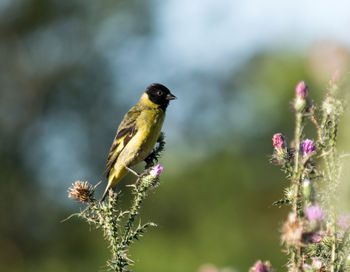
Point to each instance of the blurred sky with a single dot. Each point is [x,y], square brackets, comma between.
[212,38]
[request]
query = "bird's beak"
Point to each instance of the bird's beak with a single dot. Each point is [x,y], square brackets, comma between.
[170,96]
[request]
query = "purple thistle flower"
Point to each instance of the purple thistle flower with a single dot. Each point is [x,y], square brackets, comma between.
[315,213]
[316,238]
[307,147]
[279,142]
[261,267]
[344,222]
[156,170]
[301,90]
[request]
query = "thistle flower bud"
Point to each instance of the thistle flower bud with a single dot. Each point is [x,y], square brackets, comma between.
[259,266]
[301,90]
[156,170]
[315,213]
[279,143]
[306,188]
[307,147]
[316,238]
[301,93]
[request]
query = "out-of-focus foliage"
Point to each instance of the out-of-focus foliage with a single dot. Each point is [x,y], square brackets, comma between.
[62,94]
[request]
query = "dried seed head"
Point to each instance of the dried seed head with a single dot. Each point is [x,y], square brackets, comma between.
[81,191]
[292,231]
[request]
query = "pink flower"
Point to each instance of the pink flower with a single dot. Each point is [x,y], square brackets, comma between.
[301,90]
[156,170]
[344,222]
[307,147]
[315,213]
[316,238]
[261,267]
[279,142]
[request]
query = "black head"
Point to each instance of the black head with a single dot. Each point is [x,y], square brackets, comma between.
[160,95]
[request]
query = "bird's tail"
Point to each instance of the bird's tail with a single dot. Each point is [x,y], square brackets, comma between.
[105,193]
[113,178]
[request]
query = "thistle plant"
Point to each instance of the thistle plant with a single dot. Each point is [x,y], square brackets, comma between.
[259,266]
[119,227]
[315,235]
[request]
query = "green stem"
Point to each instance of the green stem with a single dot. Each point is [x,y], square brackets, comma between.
[134,212]
[112,231]
[297,175]
[297,257]
[333,254]
[329,125]
[139,191]
[294,259]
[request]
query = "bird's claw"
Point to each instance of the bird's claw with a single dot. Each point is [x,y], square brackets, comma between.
[133,171]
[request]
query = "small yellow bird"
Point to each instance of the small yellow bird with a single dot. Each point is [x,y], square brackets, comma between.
[137,134]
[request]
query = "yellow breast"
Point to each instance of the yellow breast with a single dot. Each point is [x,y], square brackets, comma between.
[149,124]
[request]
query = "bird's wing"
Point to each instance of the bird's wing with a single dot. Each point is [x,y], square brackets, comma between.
[126,130]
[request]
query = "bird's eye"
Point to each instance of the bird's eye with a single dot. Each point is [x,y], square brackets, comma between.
[159,93]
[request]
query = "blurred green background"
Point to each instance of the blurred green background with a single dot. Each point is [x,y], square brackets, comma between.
[71,69]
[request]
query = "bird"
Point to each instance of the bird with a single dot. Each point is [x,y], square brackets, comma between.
[137,134]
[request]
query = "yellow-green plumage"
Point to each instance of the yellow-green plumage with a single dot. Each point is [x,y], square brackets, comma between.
[136,136]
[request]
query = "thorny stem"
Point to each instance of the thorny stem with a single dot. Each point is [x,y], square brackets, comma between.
[315,122]
[334,178]
[113,230]
[108,216]
[297,175]
[139,197]
[333,219]
[333,254]
[297,256]
[330,122]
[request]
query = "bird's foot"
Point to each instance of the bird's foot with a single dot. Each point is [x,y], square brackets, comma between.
[133,172]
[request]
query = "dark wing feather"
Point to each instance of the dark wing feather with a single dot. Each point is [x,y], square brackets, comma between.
[126,130]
